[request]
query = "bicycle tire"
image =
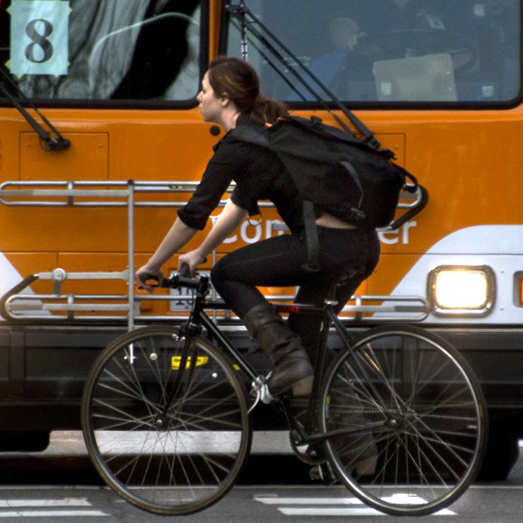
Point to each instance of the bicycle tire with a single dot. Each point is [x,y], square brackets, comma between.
[171,461]
[407,418]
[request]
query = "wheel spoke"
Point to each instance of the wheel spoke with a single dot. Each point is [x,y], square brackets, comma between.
[174,458]
[406,401]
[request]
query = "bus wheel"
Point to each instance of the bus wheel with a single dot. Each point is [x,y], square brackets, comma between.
[22,441]
[501,455]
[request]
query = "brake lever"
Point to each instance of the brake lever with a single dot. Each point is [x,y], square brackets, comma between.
[151,280]
[185,271]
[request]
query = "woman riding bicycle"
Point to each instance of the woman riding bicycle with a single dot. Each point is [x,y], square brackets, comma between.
[230,97]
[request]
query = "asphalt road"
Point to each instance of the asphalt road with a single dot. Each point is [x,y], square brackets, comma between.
[61,485]
[81,504]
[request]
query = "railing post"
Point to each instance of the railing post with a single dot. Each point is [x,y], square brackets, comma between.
[130,240]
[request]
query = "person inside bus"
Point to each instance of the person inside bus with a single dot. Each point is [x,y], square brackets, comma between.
[230,96]
[344,35]
[341,64]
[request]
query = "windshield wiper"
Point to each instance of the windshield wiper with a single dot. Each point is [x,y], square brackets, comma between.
[247,20]
[51,141]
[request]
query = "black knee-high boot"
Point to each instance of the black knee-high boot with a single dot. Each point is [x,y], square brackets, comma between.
[284,348]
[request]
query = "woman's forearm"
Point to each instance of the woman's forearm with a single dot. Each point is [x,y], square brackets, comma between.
[178,236]
[228,221]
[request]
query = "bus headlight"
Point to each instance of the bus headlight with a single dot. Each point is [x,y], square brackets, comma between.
[462,290]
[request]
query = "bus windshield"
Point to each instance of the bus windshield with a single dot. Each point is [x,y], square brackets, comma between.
[392,51]
[103,50]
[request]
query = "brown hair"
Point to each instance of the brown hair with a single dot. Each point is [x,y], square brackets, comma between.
[238,81]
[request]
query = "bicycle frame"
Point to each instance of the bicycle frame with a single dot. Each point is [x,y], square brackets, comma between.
[199,319]
[364,424]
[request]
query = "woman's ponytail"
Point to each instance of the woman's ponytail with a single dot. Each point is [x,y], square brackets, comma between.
[238,81]
[269,110]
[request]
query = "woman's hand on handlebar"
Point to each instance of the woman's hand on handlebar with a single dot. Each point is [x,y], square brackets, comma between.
[188,262]
[149,279]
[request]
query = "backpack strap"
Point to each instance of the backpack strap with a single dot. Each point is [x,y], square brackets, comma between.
[311,235]
[253,136]
[248,134]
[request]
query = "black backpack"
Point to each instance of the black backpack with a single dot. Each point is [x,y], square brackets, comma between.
[334,170]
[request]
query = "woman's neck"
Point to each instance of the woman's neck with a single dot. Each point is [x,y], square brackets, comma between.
[229,119]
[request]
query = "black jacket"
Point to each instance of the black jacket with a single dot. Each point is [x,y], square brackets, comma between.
[258,174]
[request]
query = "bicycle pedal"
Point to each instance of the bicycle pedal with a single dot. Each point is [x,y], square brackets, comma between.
[261,392]
[323,472]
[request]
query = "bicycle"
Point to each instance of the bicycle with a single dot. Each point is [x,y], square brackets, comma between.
[167,418]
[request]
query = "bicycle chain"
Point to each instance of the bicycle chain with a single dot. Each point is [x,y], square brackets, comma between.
[309,455]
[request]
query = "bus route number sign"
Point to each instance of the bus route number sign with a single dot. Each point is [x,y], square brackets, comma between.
[39,37]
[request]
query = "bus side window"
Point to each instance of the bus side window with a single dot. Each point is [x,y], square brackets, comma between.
[108,49]
[161,50]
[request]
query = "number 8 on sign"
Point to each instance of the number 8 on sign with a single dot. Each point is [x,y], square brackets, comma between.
[41,50]
[39,37]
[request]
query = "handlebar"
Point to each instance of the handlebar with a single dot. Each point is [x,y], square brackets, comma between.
[182,278]
[199,282]
[179,279]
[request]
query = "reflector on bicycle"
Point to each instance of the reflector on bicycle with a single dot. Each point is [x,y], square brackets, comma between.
[177,360]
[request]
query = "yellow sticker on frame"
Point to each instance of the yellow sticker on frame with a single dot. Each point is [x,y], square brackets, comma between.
[177,360]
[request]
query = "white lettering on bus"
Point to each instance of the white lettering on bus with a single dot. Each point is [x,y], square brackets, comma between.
[401,235]
[251,233]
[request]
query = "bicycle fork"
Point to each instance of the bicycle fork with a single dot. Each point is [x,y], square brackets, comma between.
[186,364]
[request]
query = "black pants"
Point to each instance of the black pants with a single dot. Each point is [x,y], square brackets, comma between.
[347,257]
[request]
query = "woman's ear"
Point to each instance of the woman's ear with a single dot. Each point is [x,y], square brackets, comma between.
[224,100]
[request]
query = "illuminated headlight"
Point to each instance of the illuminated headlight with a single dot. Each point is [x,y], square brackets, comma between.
[462,290]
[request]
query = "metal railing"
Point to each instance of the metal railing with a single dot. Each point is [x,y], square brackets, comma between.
[20,304]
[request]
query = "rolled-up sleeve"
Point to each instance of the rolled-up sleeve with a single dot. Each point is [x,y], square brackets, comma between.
[245,201]
[215,180]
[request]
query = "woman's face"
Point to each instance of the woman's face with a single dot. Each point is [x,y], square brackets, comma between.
[211,106]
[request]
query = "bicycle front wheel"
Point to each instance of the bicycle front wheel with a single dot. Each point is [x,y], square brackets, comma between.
[166,421]
[405,419]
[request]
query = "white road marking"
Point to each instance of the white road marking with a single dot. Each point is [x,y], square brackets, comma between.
[25,508]
[299,506]
[66,502]
[333,512]
[308,501]
[52,513]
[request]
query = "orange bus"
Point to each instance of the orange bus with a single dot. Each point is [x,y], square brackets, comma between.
[101,141]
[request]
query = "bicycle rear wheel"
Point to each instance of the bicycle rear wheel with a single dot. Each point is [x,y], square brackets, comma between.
[167,457]
[406,418]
